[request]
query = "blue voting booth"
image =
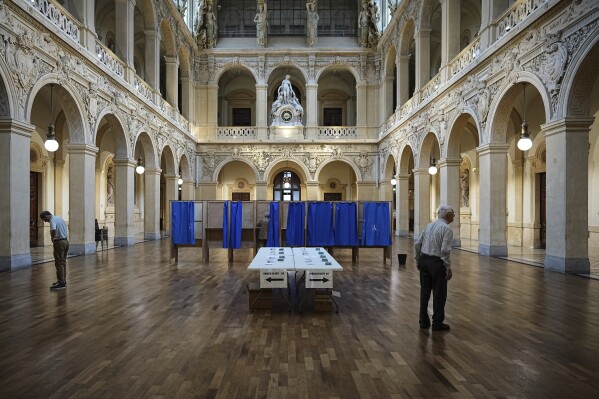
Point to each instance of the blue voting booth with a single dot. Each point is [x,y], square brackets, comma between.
[233,225]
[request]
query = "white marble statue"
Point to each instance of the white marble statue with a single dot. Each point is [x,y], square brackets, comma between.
[312,22]
[261,23]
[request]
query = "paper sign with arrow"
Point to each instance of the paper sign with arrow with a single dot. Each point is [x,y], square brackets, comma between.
[319,278]
[273,278]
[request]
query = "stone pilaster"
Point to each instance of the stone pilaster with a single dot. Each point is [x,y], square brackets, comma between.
[172,81]
[449,172]
[82,196]
[15,137]
[492,193]
[567,142]
[151,204]
[450,34]
[171,193]
[311,105]
[124,200]
[262,110]
[422,200]
[403,205]
[152,55]
[423,57]
[403,79]
[124,11]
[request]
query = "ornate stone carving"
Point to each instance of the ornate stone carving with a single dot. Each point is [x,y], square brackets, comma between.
[364,163]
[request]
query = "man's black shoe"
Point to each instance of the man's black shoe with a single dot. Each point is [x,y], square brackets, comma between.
[58,286]
[441,327]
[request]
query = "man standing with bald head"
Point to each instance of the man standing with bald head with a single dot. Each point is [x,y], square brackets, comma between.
[432,256]
[59,234]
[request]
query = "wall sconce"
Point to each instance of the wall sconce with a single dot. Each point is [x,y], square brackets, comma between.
[524,143]
[51,144]
[140,166]
[433,168]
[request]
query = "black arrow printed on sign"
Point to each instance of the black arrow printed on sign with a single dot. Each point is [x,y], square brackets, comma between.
[324,280]
[270,279]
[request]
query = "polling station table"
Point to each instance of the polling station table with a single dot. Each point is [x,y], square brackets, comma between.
[274,263]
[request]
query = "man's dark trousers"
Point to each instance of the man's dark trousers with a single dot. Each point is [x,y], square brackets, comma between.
[433,277]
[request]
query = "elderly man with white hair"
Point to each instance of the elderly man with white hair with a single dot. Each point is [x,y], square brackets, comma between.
[432,256]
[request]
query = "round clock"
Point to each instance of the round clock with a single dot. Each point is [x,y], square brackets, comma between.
[286,115]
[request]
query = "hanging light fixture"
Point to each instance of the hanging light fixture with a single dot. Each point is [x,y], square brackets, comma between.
[524,143]
[51,144]
[140,166]
[433,168]
[180,181]
[287,180]
[393,181]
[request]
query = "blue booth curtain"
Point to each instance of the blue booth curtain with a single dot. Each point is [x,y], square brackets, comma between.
[346,224]
[376,227]
[236,224]
[295,224]
[182,217]
[226,224]
[273,226]
[320,224]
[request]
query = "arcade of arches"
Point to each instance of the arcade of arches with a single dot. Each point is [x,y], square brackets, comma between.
[450,83]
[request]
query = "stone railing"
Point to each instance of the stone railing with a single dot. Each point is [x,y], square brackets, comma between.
[431,87]
[338,132]
[407,107]
[59,17]
[144,89]
[465,57]
[109,59]
[234,132]
[516,14]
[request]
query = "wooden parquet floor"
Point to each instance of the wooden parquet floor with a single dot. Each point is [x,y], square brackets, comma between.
[132,325]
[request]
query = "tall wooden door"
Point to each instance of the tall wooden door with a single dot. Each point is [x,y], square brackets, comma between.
[543,207]
[33,208]
[239,196]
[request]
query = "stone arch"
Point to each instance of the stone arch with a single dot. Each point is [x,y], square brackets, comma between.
[233,66]
[283,69]
[503,104]
[168,38]
[117,126]
[406,154]
[147,8]
[407,34]
[287,163]
[184,63]
[426,11]
[277,75]
[338,66]
[390,61]
[67,100]
[575,94]
[224,162]
[7,99]
[352,165]
[452,149]
[167,154]
[185,167]
[427,148]
[147,150]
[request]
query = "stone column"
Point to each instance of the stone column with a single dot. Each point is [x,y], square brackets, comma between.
[212,106]
[171,194]
[516,221]
[152,59]
[450,34]
[492,193]
[262,110]
[387,99]
[172,81]
[403,205]
[487,16]
[403,79]
[567,198]
[124,11]
[362,106]
[311,105]
[423,57]
[59,203]
[124,233]
[422,202]
[312,191]
[82,196]
[187,98]
[99,197]
[449,172]
[151,204]
[86,9]
[15,137]
[187,190]
[261,190]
